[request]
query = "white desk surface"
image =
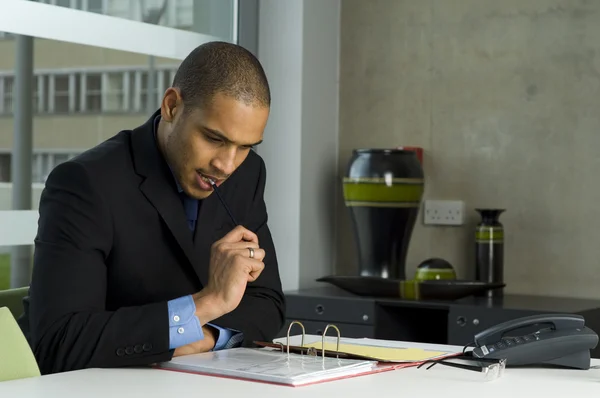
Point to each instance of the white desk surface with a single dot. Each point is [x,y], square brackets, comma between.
[147,383]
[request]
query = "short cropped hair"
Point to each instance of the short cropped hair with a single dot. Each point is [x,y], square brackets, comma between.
[220,67]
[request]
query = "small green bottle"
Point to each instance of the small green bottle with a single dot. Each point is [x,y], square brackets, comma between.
[489,249]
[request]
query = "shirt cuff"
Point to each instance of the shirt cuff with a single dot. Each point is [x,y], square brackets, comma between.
[184,325]
[228,338]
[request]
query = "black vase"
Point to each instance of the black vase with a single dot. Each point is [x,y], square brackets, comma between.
[383,189]
[489,249]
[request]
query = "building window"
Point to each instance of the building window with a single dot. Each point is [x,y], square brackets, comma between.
[8,86]
[115,92]
[64,3]
[97,6]
[5,167]
[89,91]
[61,94]
[93,93]
[183,15]
[121,9]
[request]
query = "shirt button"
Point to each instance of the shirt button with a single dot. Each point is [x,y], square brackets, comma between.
[176,318]
[180,330]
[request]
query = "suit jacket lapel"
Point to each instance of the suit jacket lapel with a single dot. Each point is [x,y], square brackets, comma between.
[159,188]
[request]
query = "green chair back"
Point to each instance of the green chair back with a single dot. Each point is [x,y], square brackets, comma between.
[13,299]
[16,358]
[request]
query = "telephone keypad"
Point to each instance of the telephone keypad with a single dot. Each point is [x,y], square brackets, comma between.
[512,341]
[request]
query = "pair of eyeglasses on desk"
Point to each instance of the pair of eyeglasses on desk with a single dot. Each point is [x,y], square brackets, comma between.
[467,367]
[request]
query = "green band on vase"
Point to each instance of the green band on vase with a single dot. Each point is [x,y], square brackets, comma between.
[379,192]
[489,234]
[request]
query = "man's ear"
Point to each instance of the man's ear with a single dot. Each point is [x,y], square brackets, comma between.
[171,104]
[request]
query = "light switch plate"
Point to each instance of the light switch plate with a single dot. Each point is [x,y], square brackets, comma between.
[443,212]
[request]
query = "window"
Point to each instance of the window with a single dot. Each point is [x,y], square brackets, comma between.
[7,94]
[145,87]
[183,17]
[93,93]
[90,91]
[115,92]
[121,9]
[63,3]
[61,94]
[96,6]
[178,13]
[5,167]
[156,92]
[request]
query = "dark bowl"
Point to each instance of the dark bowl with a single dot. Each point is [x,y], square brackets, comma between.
[370,286]
[454,289]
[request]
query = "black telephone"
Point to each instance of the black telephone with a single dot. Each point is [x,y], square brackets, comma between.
[558,339]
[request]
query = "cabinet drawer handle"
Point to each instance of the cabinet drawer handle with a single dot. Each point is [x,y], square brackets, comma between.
[461,321]
[319,309]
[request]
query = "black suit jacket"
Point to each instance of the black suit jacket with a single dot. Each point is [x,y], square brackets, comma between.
[113,246]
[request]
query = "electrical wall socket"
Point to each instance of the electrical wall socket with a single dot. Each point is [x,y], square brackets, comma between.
[443,212]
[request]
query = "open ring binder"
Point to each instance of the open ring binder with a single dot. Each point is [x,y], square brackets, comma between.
[344,351]
[302,365]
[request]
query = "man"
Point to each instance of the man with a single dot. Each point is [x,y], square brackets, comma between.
[136,260]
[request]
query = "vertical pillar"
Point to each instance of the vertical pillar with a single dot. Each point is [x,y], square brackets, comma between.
[248,25]
[298,45]
[20,259]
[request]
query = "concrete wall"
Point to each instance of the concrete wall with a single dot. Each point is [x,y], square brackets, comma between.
[503,96]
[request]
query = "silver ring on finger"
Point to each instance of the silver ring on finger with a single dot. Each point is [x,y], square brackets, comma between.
[251,250]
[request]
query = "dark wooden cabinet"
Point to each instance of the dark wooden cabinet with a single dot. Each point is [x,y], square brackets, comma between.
[452,322]
[354,316]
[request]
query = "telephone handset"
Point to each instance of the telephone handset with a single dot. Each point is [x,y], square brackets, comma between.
[558,339]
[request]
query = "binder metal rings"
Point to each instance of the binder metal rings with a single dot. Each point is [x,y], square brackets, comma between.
[310,349]
[287,342]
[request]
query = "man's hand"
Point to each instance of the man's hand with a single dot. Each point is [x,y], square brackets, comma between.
[204,345]
[230,269]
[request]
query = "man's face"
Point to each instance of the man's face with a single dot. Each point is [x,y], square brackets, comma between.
[211,142]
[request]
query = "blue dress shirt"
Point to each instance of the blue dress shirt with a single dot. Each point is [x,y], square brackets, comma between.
[184,325]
